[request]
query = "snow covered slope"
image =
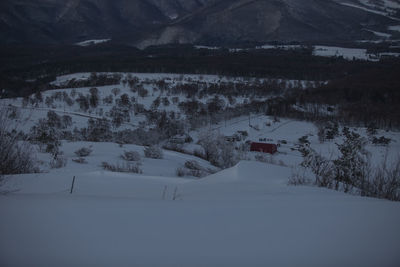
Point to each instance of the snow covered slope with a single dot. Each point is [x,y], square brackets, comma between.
[386,8]
[243,216]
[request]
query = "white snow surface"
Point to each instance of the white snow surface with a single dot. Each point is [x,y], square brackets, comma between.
[347,53]
[207,47]
[394,28]
[381,34]
[93,42]
[351,53]
[284,47]
[242,216]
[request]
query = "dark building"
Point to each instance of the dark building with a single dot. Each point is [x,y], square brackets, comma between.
[264,147]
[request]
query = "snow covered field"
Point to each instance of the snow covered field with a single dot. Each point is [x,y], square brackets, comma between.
[352,53]
[333,51]
[243,216]
[246,215]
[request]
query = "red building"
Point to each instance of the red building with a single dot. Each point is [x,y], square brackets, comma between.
[264,147]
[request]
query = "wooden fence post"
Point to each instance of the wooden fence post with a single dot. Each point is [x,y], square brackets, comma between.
[72,185]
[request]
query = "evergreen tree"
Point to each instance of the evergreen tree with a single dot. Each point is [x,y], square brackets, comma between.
[94,97]
[352,162]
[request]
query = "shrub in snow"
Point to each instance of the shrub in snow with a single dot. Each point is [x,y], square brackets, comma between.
[327,130]
[46,134]
[175,100]
[174,147]
[381,141]
[332,130]
[299,177]
[242,151]
[116,91]
[68,100]
[66,121]
[125,167]
[119,114]
[53,120]
[215,104]
[83,102]
[193,168]
[180,172]
[217,150]
[143,92]
[188,139]
[80,160]
[13,113]
[199,153]
[156,103]
[304,140]
[83,152]
[15,156]
[131,156]
[124,100]
[192,165]
[321,167]
[165,101]
[351,171]
[39,96]
[108,100]
[385,182]
[153,152]
[58,162]
[139,108]
[207,140]
[372,129]
[98,130]
[53,148]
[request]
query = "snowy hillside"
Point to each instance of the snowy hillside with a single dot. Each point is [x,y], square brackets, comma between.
[142,92]
[245,215]
[156,170]
[385,7]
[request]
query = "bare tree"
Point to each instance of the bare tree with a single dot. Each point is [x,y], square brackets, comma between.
[16,156]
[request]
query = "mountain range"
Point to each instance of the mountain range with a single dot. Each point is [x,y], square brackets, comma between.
[211,22]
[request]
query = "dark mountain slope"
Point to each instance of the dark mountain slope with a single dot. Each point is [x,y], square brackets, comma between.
[153,22]
[268,20]
[54,21]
